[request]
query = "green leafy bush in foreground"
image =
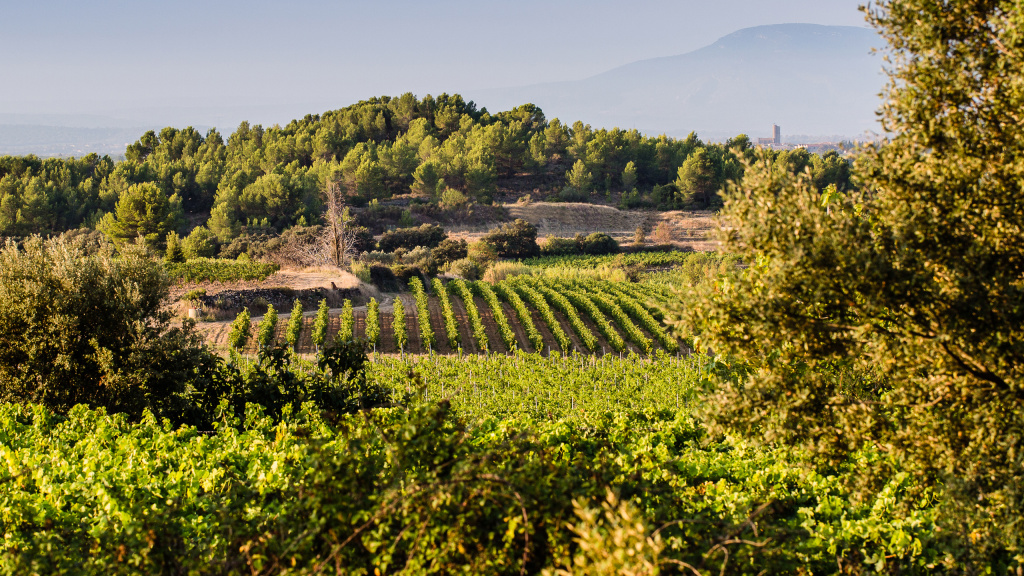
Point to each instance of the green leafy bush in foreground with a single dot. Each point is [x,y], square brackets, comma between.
[420,491]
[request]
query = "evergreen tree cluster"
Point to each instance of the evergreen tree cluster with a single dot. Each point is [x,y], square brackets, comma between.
[436,148]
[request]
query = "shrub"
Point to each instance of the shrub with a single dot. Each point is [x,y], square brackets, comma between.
[384,278]
[89,328]
[561,247]
[662,233]
[450,250]
[428,235]
[599,243]
[377,257]
[173,253]
[502,270]
[361,270]
[465,268]
[517,239]
[482,253]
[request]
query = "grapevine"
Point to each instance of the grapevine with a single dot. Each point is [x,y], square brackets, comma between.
[487,293]
[541,306]
[398,324]
[320,325]
[295,325]
[523,313]
[347,322]
[562,303]
[373,322]
[475,323]
[451,326]
[265,333]
[583,302]
[240,328]
[422,312]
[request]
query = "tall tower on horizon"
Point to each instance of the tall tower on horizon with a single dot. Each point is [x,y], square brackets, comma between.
[777,134]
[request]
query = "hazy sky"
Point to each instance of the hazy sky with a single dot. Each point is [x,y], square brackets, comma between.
[210,60]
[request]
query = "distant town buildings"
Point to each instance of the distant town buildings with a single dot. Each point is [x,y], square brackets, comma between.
[774,141]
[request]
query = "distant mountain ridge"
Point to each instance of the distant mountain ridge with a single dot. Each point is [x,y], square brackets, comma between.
[810,79]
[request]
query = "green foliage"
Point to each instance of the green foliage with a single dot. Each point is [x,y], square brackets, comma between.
[566,307]
[398,324]
[579,179]
[523,314]
[143,211]
[536,299]
[266,329]
[219,270]
[427,338]
[890,317]
[240,328]
[295,322]
[497,314]
[89,328]
[200,243]
[638,259]
[320,323]
[427,235]
[347,321]
[290,492]
[173,254]
[450,250]
[581,301]
[451,325]
[476,325]
[516,239]
[373,322]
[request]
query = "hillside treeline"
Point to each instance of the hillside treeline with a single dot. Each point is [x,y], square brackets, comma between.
[440,150]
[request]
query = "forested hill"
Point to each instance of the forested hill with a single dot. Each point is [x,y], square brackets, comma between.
[442,151]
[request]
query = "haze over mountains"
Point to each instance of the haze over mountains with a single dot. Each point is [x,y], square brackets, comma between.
[810,79]
[820,81]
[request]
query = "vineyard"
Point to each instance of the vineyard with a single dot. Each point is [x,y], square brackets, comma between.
[520,314]
[219,270]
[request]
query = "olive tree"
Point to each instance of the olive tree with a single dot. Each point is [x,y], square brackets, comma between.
[885,325]
[89,328]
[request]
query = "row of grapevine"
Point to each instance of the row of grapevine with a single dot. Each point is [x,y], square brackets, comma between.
[265,331]
[583,302]
[541,306]
[476,325]
[523,313]
[504,329]
[373,322]
[451,326]
[422,312]
[611,309]
[562,303]
[643,316]
[320,325]
[346,330]
[294,330]
[398,324]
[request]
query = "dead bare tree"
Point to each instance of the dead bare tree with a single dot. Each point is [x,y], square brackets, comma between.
[337,242]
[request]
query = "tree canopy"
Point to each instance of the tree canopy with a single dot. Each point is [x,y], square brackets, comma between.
[879,327]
